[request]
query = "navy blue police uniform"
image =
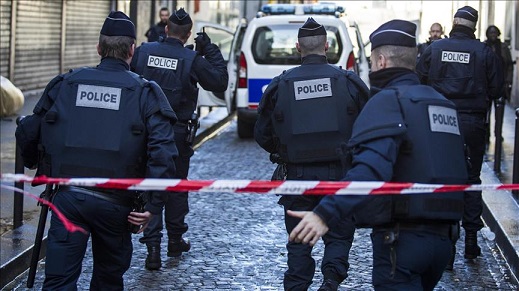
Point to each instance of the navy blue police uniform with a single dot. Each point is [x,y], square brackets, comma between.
[305,116]
[177,70]
[415,138]
[466,71]
[98,122]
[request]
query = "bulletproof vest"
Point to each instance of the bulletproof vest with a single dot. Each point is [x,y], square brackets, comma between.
[432,153]
[96,126]
[170,67]
[458,72]
[314,114]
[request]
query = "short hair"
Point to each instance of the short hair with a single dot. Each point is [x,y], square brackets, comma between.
[493,27]
[398,56]
[179,31]
[464,22]
[115,46]
[436,24]
[164,9]
[312,44]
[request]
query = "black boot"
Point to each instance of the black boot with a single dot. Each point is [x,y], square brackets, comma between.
[472,250]
[450,265]
[153,259]
[329,285]
[177,246]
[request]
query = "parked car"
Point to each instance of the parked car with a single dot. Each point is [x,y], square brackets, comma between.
[264,47]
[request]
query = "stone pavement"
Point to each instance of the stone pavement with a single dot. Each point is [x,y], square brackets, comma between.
[238,240]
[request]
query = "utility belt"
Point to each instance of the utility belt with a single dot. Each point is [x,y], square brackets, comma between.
[333,169]
[441,229]
[182,123]
[116,197]
[477,113]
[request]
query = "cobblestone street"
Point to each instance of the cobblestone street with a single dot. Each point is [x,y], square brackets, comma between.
[238,240]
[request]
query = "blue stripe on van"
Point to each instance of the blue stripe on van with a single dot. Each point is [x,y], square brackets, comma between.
[256,88]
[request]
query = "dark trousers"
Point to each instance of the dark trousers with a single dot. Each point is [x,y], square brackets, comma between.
[107,224]
[177,206]
[473,130]
[337,241]
[421,259]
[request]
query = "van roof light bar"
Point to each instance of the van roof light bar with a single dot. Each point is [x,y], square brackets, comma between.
[323,8]
[278,9]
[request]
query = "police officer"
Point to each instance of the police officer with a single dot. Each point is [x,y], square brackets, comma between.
[158,31]
[467,72]
[99,122]
[305,116]
[178,70]
[407,132]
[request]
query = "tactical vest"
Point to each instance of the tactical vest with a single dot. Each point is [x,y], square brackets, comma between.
[95,127]
[314,114]
[458,72]
[170,67]
[432,153]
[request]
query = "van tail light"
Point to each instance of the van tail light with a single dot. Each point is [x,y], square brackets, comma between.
[350,64]
[242,72]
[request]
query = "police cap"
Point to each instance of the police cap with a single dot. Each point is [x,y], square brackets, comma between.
[311,28]
[180,17]
[118,24]
[395,32]
[468,13]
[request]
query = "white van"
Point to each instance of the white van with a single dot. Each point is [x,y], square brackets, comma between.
[265,47]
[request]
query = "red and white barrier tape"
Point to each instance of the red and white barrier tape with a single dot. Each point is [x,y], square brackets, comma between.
[291,187]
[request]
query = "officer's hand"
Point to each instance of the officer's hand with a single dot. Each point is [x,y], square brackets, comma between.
[141,219]
[309,230]
[201,41]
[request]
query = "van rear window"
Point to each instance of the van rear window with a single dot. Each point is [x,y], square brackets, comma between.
[276,45]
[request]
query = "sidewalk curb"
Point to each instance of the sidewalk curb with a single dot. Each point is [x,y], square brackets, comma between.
[20,262]
[501,214]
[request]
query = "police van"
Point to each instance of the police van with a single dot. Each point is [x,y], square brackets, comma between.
[264,47]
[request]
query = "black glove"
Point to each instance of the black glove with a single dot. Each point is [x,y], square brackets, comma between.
[201,41]
[190,46]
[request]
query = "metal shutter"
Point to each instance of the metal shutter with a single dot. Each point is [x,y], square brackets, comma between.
[83,23]
[38,35]
[5,36]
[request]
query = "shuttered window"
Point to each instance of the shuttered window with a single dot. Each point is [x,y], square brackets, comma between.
[5,36]
[83,23]
[38,43]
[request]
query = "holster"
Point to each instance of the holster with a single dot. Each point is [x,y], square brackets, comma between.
[391,239]
[138,206]
[192,127]
[280,173]
[454,234]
